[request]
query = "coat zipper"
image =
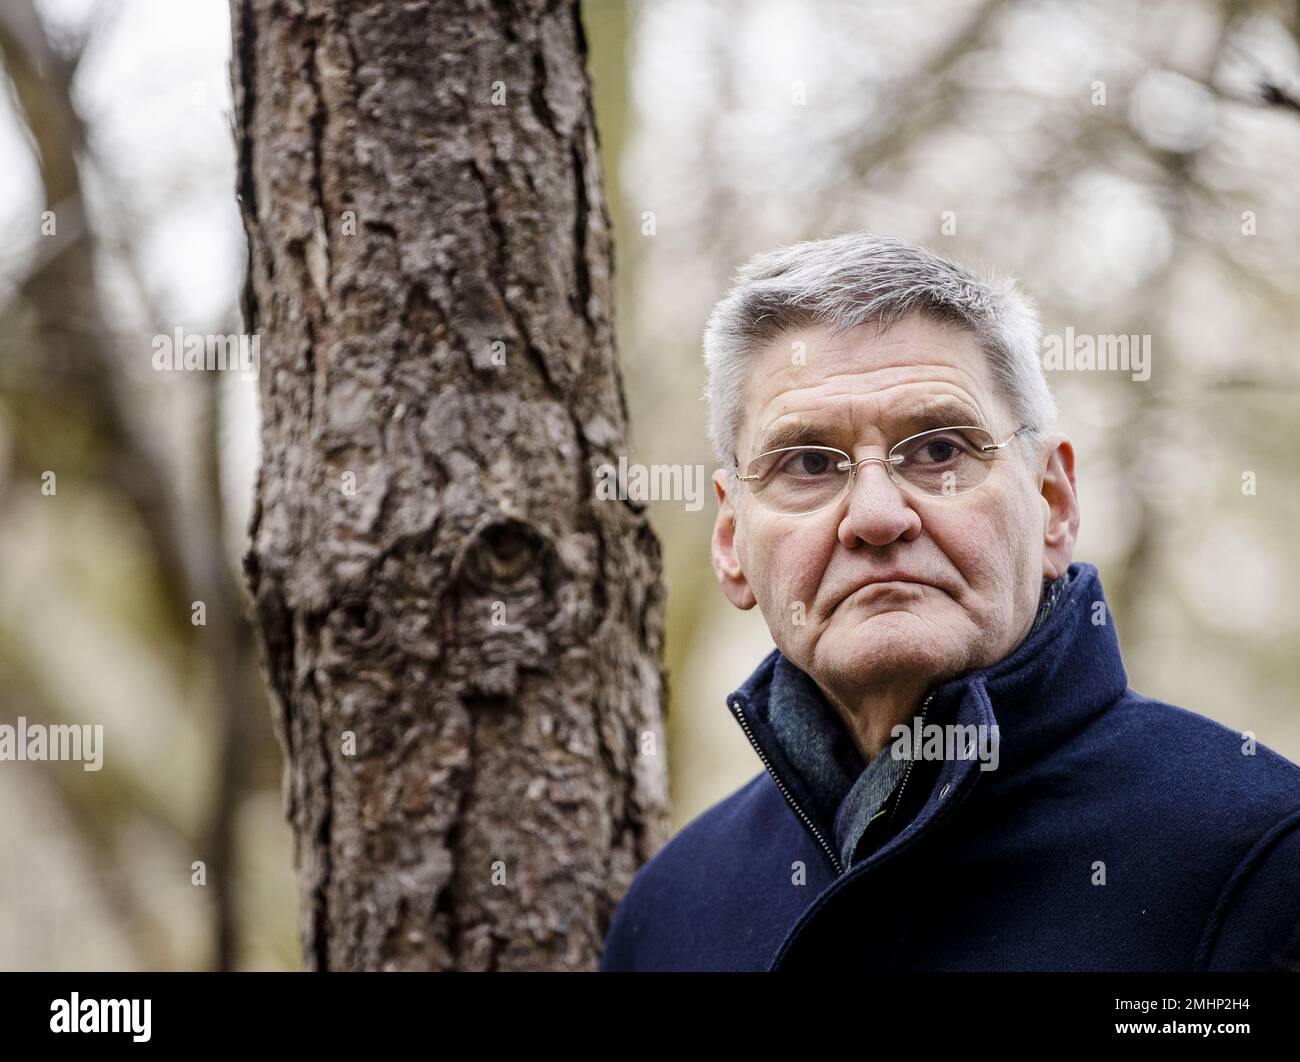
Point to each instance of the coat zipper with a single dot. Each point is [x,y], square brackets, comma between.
[910,764]
[786,945]
[789,799]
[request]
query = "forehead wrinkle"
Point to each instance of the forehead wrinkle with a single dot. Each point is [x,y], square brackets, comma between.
[974,386]
[877,400]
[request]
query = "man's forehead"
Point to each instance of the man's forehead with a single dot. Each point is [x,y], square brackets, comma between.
[807,356]
[918,370]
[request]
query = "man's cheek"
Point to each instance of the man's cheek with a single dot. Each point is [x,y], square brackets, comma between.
[967,544]
[798,596]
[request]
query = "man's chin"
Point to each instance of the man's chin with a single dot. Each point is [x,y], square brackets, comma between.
[880,619]
[884,645]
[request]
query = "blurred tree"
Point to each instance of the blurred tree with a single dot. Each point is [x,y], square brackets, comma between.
[462,641]
[64,382]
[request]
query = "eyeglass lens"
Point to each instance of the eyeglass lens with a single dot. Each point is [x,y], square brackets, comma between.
[800,479]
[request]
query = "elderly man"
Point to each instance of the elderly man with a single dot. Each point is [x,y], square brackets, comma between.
[957,775]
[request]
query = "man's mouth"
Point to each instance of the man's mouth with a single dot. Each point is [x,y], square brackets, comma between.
[891,577]
[897,580]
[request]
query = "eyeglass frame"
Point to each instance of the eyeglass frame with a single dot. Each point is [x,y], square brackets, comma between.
[889,460]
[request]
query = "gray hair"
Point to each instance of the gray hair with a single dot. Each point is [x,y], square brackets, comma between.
[857,278]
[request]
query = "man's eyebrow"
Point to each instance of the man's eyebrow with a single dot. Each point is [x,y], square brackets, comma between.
[945,413]
[793,433]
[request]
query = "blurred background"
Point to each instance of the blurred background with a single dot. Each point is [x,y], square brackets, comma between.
[1134,164]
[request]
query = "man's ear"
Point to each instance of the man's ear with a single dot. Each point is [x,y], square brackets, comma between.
[726,565]
[1061,507]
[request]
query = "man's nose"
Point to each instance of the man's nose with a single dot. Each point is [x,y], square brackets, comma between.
[878,511]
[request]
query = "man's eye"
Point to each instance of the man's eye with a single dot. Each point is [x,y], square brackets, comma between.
[812,463]
[939,451]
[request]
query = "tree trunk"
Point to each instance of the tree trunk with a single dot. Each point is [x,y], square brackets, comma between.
[462,642]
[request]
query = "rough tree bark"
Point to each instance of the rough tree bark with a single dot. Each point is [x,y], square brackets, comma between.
[431,573]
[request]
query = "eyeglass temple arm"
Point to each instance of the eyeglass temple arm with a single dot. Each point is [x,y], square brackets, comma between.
[998,446]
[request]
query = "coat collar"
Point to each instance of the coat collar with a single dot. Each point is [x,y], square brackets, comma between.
[1064,672]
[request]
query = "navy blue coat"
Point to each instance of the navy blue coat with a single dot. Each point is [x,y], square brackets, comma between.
[1197,839]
